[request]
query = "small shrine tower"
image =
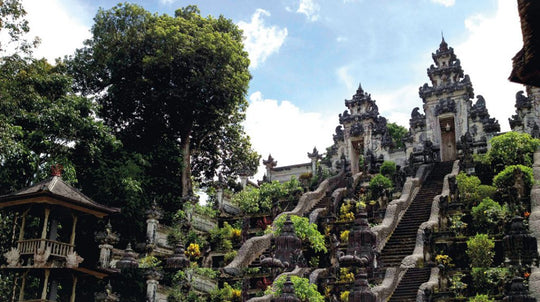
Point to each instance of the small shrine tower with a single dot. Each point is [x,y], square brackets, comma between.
[48,216]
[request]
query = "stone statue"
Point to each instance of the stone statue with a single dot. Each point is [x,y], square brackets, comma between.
[41,256]
[12,257]
[73,260]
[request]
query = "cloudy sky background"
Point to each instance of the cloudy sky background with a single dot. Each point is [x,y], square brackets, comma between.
[308,56]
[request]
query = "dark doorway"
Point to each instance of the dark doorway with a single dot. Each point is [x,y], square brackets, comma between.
[448,139]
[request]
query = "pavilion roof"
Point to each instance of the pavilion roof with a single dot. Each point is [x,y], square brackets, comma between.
[55,191]
[526,63]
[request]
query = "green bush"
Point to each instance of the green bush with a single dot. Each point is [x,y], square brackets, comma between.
[512,148]
[388,168]
[505,180]
[378,184]
[480,298]
[252,200]
[489,215]
[304,230]
[304,290]
[489,280]
[480,250]
[471,191]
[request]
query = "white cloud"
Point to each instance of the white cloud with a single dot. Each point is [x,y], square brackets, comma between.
[347,79]
[446,3]
[261,41]
[396,105]
[309,8]
[286,132]
[59,31]
[341,39]
[486,56]
[167,1]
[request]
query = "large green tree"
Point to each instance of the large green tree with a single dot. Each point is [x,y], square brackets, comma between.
[180,79]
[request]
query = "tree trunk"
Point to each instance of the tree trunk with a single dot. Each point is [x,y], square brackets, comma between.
[187,188]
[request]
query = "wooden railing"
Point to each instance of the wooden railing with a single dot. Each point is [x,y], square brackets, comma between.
[31,246]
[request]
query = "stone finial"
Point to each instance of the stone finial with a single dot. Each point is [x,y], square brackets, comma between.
[270,162]
[518,292]
[154,212]
[128,260]
[178,260]
[519,245]
[362,241]
[107,236]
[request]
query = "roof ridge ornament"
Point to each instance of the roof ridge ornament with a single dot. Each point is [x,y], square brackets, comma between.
[57,169]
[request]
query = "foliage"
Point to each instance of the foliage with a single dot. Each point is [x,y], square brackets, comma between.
[489,216]
[444,260]
[388,168]
[480,298]
[222,237]
[253,200]
[304,290]
[229,256]
[344,296]
[506,180]
[471,191]
[512,148]
[480,249]
[397,133]
[489,280]
[180,79]
[193,251]
[13,23]
[227,294]
[457,285]
[345,275]
[304,230]
[149,262]
[346,210]
[344,236]
[379,184]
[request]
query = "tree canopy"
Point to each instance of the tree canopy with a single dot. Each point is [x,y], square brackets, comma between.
[180,79]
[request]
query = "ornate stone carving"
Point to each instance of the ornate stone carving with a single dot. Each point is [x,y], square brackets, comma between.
[339,134]
[362,241]
[73,260]
[417,120]
[445,106]
[12,257]
[41,256]
[522,102]
[356,130]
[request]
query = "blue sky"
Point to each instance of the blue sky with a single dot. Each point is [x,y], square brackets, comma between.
[309,55]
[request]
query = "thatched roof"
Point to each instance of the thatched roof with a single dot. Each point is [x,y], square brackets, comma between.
[526,63]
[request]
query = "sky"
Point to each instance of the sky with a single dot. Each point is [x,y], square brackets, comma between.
[308,56]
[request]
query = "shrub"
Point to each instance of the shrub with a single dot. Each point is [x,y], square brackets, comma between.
[253,200]
[512,148]
[480,298]
[505,180]
[344,236]
[489,215]
[229,256]
[467,187]
[489,280]
[344,296]
[304,230]
[248,201]
[388,168]
[480,250]
[304,290]
[378,184]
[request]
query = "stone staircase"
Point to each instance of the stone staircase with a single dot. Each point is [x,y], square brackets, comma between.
[408,287]
[403,239]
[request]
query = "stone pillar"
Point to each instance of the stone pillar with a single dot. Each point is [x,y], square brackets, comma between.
[152,282]
[73,230]
[73,289]
[153,214]
[314,157]
[106,239]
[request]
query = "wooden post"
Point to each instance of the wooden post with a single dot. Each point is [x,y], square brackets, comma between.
[73,228]
[23,283]
[45,282]
[45,222]
[73,289]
